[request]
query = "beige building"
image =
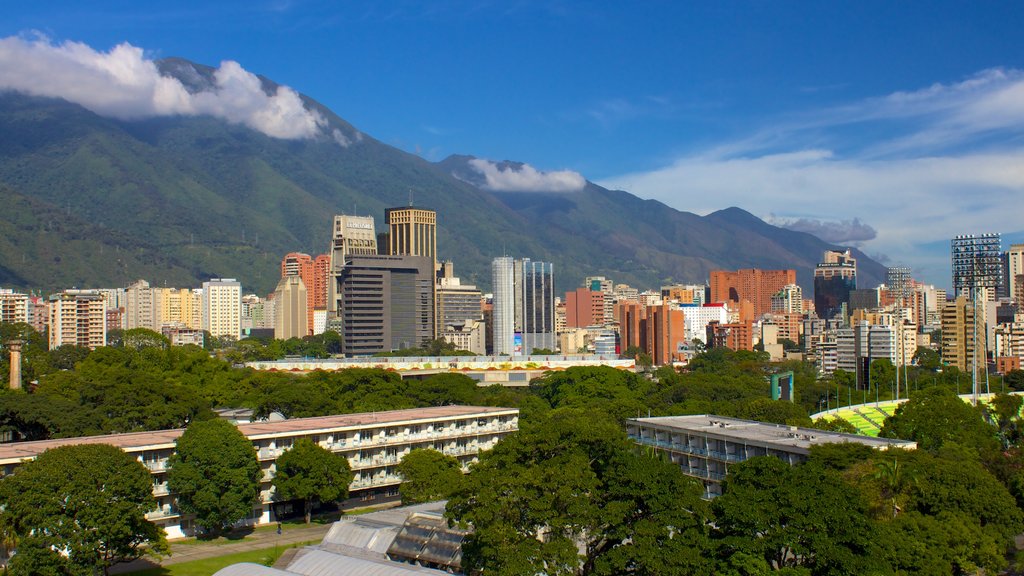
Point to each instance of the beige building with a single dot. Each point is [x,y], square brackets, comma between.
[78,318]
[222,308]
[352,236]
[960,335]
[788,300]
[468,335]
[138,307]
[13,306]
[290,301]
[373,443]
[412,232]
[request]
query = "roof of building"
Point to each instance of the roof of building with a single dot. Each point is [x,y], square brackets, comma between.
[17,451]
[770,434]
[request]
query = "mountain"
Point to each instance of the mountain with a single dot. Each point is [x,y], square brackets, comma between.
[94,201]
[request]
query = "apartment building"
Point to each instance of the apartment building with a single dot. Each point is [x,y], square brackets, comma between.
[78,318]
[373,443]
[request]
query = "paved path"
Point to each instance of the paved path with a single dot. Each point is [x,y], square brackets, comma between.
[190,549]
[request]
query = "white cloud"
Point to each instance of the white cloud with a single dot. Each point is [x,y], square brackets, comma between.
[526,178]
[123,83]
[951,162]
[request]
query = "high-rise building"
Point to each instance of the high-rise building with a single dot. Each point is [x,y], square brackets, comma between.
[352,236]
[1015,272]
[535,304]
[291,317]
[605,286]
[412,232]
[753,285]
[788,300]
[13,306]
[314,274]
[138,309]
[503,280]
[834,278]
[222,308]
[666,332]
[584,307]
[78,318]
[456,302]
[960,335]
[977,265]
[386,303]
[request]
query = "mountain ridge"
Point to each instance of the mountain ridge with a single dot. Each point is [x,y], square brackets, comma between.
[180,199]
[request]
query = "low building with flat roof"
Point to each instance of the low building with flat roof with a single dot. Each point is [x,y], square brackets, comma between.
[374,443]
[704,446]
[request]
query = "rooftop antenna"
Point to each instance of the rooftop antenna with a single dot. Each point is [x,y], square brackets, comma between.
[410,198]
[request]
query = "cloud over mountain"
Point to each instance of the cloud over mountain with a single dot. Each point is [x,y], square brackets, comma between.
[842,232]
[525,178]
[123,83]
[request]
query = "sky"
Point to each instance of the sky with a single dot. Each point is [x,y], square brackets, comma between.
[890,126]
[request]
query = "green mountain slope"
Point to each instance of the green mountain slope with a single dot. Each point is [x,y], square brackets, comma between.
[91,201]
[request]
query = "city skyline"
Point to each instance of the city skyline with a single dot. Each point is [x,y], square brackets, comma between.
[892,138]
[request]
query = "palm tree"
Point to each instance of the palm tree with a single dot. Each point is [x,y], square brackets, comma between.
[896,479]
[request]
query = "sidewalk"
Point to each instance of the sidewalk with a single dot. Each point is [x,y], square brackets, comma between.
[192,549]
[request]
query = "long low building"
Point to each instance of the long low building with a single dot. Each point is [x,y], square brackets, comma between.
[704,446]
[373,443]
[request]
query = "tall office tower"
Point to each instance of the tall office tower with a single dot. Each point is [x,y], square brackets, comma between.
[456,302]
[138,309]
[753,285]
[352,236]
[412,232]
[834,279]
[584,307]
[385,303]
[1014,271]
[900,284]
[789,300]
[503,279]
[222,308]
[290,299]
[78,318]
[631,317]
[535,304]
[976,265]
[13,306]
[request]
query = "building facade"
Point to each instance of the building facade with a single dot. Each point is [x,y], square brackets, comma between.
[78,318]
[373,443]
[535,304]
[834,279]
[503,313]
[706,446]
[13,306]
[753,285]
[290,313]
[222,308]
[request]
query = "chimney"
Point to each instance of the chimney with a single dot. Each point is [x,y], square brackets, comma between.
[15,347]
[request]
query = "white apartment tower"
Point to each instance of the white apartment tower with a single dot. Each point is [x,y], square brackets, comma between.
[13,306]
[222,307]
[503,278]
[78,318]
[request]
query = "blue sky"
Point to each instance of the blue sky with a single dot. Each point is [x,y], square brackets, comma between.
[886,124]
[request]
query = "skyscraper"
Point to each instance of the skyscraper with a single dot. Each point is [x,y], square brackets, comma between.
[834,279]
[352,236]
[1015,271]
[222,307]
[535,304]
[754,285]
[290,315]
[412,232]
[976,265]
[504,311]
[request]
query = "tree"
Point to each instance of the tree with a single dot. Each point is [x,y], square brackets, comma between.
[802,518]
[571,496]
[215,474]
[139,338]
[428,476]
[927,359]
[935,416]
[311,473]
[80,509]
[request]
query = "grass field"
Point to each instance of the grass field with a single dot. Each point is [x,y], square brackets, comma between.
[208,566]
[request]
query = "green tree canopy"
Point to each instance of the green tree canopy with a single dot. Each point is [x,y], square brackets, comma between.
[311,473]
[935,416]
[428,476]
[88,501]
[601,507]
[215,474]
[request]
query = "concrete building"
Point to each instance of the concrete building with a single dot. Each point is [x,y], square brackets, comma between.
[78,318]
[314,274]
[138,307]
[606,287]
[503,280]
[962,339]
[666,333]
[631,318]
[222,308]
[13,306]
[788,300]
[386,303]
[705,446]
[626,292]
[467,334]
[352,236]
[373,443]
[412,232]
[1014,270]
[690,294]
[290,313]
[698,318]
[584,307]
[734,336]
[456,302]
[753,285]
